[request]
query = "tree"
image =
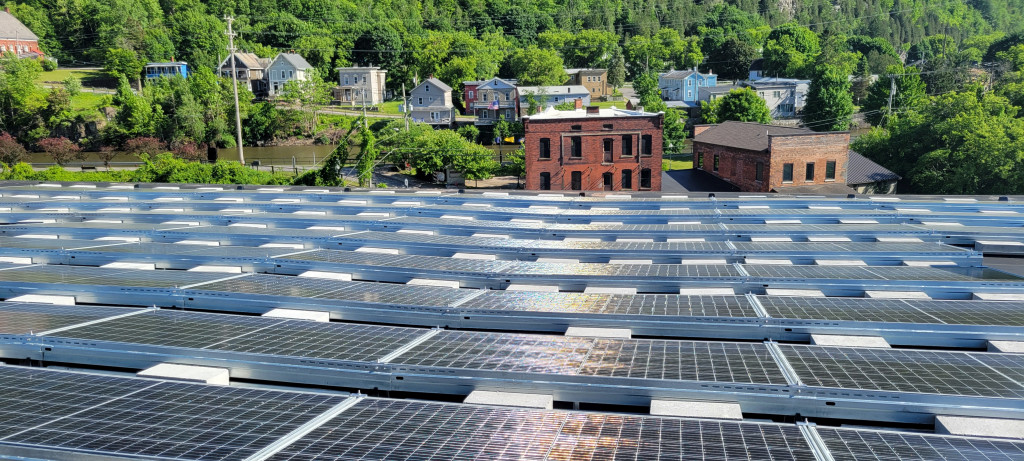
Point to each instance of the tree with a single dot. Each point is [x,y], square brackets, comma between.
[741,104]
[617,70]
[829,103]
[674,129]
[533,103]
[73,85]
[533,66]
[646,87]
[19,97]
[367,157]
[147,145]
[61,150]
[124,63]
[11,151]
[791,52]
[134,113]
[261,126]
[470,132]
[910,91]
[310,95]
[733,58]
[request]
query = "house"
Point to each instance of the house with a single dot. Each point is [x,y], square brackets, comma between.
[765,158]
[756,70]
[469,95]
[251,70]
[285,68]
[496,99]
[548,96]
[711,93]
[166,69]
[16,38]
[868,177]
[360,86]
[685,85]
[785,97]
[595,80]
[431,102]
[593,149]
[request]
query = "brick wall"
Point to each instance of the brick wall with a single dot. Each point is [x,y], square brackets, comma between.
[592,163]
[20,46]
[808,148]
[738,166]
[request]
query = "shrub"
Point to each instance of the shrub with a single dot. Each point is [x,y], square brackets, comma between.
[11,151]
[61,150]
[144,145]
[188,150]
[48,65]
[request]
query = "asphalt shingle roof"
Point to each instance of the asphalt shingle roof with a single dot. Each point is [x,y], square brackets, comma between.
[861,170]
[745,135]
[12,29]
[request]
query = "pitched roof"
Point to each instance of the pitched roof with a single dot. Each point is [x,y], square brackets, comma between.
[295,60]
[861,170]
[678,74]
[492,83]
[745,135]
[757,64]
[435,82]
[767,82]
[553,90]
[249,60]
[12,29]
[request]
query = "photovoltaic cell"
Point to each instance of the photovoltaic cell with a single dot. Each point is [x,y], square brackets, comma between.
[862,273]
[683,360]
[500,352]
[183,421]
[858,445]
[25,318]
[436,263]
[85,275]
[971,312]
[311,287]
[625,270]
[851,248]
[335,341]
[409,430]
[171,328]
[845,309]
[611,304]
[927,372]
[1010,365]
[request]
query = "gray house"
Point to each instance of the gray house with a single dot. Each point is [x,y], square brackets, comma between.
[286,67]
[785,97]
[431,102]
[251,70]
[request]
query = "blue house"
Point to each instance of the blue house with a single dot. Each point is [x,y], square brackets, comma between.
[685,85]
[161,69]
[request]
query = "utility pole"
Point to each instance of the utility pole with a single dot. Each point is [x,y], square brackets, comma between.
[405,108]
[892,91]
[234,85]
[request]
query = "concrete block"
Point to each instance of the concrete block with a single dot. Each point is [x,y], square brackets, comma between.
[635,240]
[536,288]
[711,291]
[248,224]
[114,198]
[115,209]
[352,202]
[44,299]
[941,223]
[606,223]
[224,269]
[913,210]
[169,199]
[493,236]
[885,198]
[136,266]
[858,221]
[285,200]
[1009,347]
[899,239]
[929,263]
[208,243]
[754,207]
[378,191]
[823,207]
[609,333]
[610,290]
[105,221]
[960,199]
[434,283]
[840,262]
[344,277]
[511,399]
[998,211]
[604,208]
[236,210]
[551,195]
[37,236]
[687,239]
[428,192]
[618,196]
[979,427]
[543,207]
[327,228]
[849,341]
[793,292]
[407,203]
[310,213]
[630,261]
[480,256]
[181,223]
[582,239]
[168,210]
[15,260]
[999,296]
[771,239]
[383,251]
[291,246]
[374,214]
[896,294]
[782,221]
[696,409]
[495,194]
[229,199]
[451,216]
[704,261]
[37,221]
[779,262]
[478,205]
[270,189]
[558,260]
[415,231]
[827,238]
[118,239]
[295,314]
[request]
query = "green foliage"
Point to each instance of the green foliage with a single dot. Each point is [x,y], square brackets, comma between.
[910,92]
[470,132]
[741,104]
[617,69]
[791,52]
[829,103]
[565,106]
[19,97]
[123,63]
[674,130]
[368,154]
[957,143]
[646,88]
[11,151]
[664,50]
[732,58]
[533,66]
[73,85]
[48,65]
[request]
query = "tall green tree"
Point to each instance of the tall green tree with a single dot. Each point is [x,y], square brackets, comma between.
[124,63]
[910,91]
[791,52]
[741,105]
[533,66]
[368,154]
[829,105]
[617,70]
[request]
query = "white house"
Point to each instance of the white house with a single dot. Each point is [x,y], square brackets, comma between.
[360,85]
[548,96]
[286,67]
[785,97]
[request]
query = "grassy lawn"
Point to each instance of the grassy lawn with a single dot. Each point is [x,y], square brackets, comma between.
[86,101]
[390,107]
[608,104]
[90,78]
[669,165]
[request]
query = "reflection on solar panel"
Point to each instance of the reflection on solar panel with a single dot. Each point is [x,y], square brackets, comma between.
[405,430]
[626,270]
[928,372]
[510,353]
[963,312]
[279,285]
[856,445]
[863,273]
[683,360]
[18,318]
[644,304]
[100,276]
[336,341]
[400,261]
[967,312]
[171,328]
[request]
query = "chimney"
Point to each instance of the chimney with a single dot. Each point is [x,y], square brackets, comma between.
[591,110]
[698,129]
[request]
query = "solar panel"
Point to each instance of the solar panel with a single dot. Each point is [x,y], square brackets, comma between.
[928,372]
[182,421]
[971,312]
[855,445]
[30,396]
[1009,365]
[25,318]
[585,303]
[625,270]
[864,273]
[403,261]
[850,248]
[336,341]
[171,328]
[845,309]
[500,352]
[683,360]
[85,275]
[409,430]
[310,287]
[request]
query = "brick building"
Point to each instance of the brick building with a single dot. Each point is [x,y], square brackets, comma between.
[594,80]
[764,158]
[16,38]
[593,149]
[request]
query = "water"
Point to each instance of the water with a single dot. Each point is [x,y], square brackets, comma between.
[279,155]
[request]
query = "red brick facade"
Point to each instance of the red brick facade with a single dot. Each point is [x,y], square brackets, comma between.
[20,46]
[617,150]
[813,159]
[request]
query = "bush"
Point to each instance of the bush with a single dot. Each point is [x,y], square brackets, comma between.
[144,145]
[61,150]
[11,151]
[48,65]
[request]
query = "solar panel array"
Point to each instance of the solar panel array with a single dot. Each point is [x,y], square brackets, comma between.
[122,417]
